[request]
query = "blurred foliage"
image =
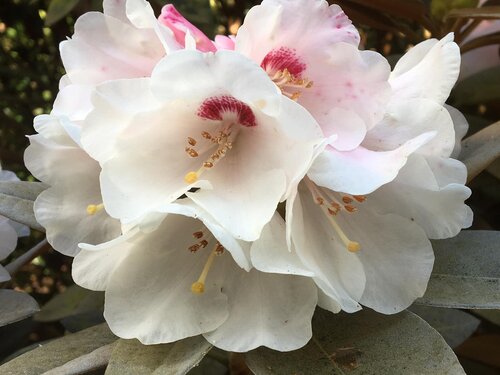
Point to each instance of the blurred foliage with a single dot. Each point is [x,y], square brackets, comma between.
[30,69]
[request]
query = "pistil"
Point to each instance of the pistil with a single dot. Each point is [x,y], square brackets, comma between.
[198,287]
[93,209]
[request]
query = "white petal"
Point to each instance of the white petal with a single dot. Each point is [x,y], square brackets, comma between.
[113,108]
[338,272]
[116,9]
[461,127]
[105,48]
[406,120]
[73,101]
[433,76]
[397,258]
[93,265]
[361,171]
[265,309]
[416,194]
[149,296]
[270,252]
[174,78]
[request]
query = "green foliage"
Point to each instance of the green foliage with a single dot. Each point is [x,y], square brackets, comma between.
[15,306]
[362,343]
[466,272]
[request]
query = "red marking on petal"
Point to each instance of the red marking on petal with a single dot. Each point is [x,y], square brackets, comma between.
[281,59]
[215,107]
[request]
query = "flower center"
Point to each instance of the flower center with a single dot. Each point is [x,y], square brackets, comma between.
[285,68]
[198,287]
[231,112]
[331,206]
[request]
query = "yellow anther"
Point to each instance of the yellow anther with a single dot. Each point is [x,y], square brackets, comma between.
[198,287]
[353,247]
[191,177]
[92,209]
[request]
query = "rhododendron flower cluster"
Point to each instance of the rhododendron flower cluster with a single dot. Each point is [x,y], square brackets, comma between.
[227,187]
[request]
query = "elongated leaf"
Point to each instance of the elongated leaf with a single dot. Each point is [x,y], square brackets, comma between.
[96,360]
[454,325]
[489,12]
[58,352]
[362,343]
[466,272]
[481,149]
[22,189]
[132,357]
[15,306]
[74,300]
[20,210]
[58,9]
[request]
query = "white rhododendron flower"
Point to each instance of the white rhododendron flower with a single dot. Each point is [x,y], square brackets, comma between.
[372,249]
[9,230]
[178,281]
[168,153]
[213,122]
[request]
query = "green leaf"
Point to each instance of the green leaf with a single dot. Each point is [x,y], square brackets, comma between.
[20,210]
[58,9]
[15,306]
[22,189]
[479,88]
[454,325]
[59,352]
[132,357]
[74,300]
[481,149]
[466,272]
[362,343]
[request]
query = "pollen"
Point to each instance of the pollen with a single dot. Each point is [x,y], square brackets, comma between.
[190,178]
[93,209]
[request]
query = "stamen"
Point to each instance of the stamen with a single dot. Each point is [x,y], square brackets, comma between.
[198,287]
[320,199]
[224,144]
[93,209]
[286,81]
[198,234]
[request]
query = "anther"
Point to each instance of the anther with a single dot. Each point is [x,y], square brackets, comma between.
[346,199]
[194,248]
[203,243]
[208,164]
[350,208]
[192,152]
[198,234]
[359,198]
[192,141]
[92,209]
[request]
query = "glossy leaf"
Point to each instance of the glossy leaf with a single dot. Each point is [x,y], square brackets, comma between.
[74,300]
[20,210]
[58,352]
[454,325]
[466,272]
[132,357]
[362,343]
[22,189]
[15,306]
